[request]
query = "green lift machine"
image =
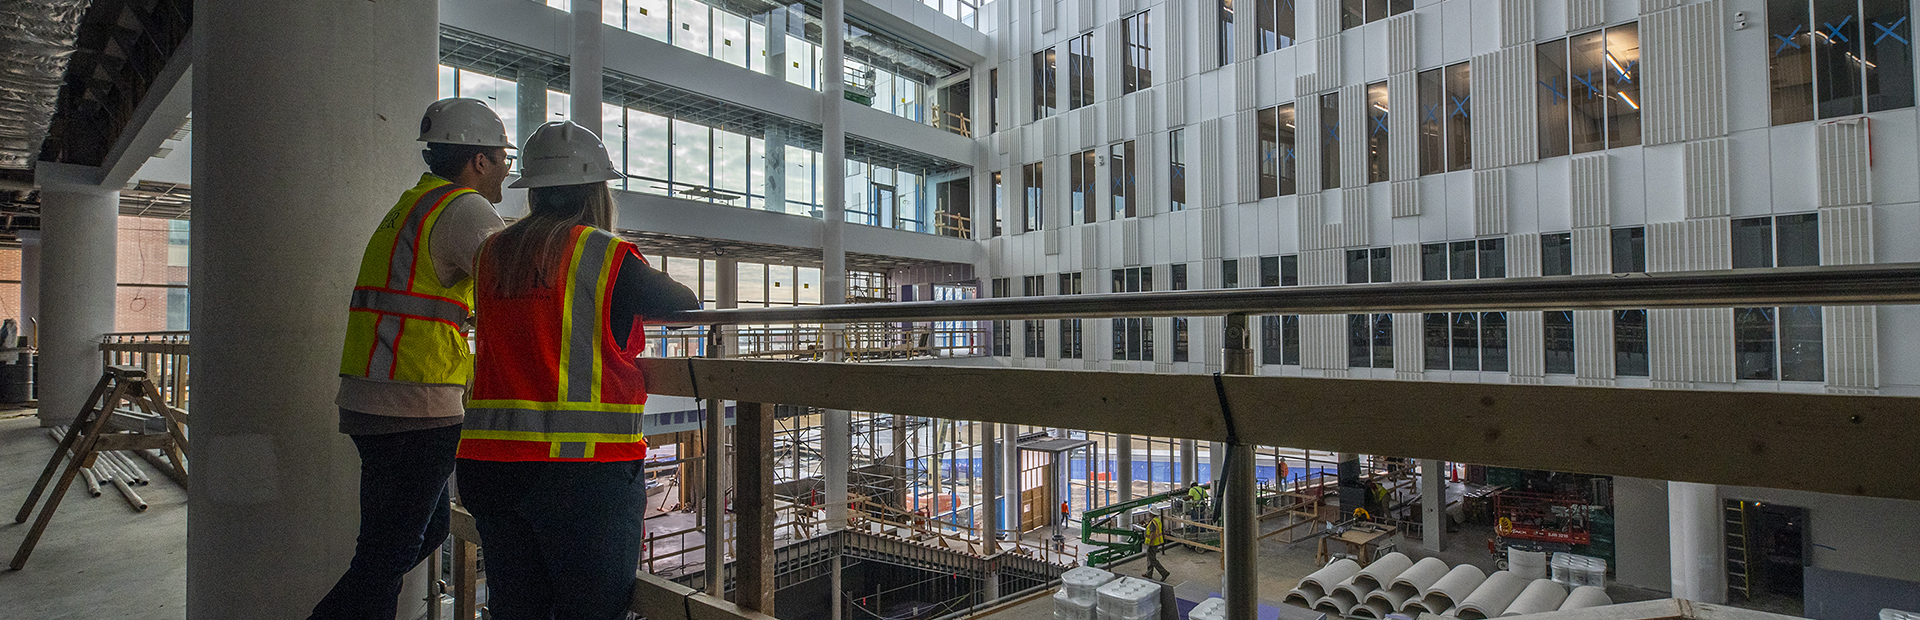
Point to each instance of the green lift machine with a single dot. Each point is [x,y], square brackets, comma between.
[1109,520]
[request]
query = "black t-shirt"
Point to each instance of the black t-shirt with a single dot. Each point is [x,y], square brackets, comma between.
[644,292]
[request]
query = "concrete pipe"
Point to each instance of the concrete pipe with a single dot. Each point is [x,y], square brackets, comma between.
[1382,572]
[1373,608]
[1338,601]
[1414,581]
[1542,595]
[1492,597]
[1322,581]
[1586,596]
[1451,588]
[1527,564]
[1393,599]
[1301,598]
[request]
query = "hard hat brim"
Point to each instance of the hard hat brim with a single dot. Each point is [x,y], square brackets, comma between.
[552,180]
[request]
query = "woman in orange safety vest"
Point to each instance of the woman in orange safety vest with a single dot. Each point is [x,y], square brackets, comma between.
[550,456]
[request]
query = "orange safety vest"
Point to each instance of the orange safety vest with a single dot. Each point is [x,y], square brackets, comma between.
[550,383]
[402,324]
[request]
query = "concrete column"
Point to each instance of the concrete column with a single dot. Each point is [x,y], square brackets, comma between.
[1010,449]
[79,229]
[1238,509]
[1433,505]
[1216,462]
[29,281]
[277,236]
[990,479]
[1693,530]
[777,43]
[1126,467]
[727,295]
[833,270]
[586,65]
[1189,461]
[776,171]
[531,106]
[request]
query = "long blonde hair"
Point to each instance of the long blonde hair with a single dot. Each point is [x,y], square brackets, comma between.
[529,254]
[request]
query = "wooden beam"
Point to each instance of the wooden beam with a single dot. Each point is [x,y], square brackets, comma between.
[753,506]
[1812,442]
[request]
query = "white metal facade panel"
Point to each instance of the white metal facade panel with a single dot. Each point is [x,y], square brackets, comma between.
[1327,67]
[1177,103]
[1490,202]
[1355,222]
[1593,346]
[1052,242]
[1246,81]
[1203,19]
[1323,267]
[1851,350]
[1505,121]
[1403,127]
[1402,44]
[1690,245]
[1684,94]
[1130,242]
[1843,160]
[1707,179]
[1212,240]
[1353,131]
[1406,198]
[1516,22]
[1584,14]
[1248,128]
[1108,39]
[1323,341]
[1406,262]
[1846,235]
[1591,251]
[1649,6]
[1526,345]
[1204,150]
[1523,255]
[1691,345]
[1588,189]
[1049,14]
[1090,125]
[1409,355]
[1306,159]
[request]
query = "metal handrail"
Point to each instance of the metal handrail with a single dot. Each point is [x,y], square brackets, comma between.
[1885,284]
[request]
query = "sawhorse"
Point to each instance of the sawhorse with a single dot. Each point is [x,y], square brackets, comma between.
[89,435]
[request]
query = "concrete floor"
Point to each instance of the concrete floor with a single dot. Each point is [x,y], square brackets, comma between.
[98,558]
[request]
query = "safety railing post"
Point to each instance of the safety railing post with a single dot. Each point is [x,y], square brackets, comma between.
[715,532]
[1241,540]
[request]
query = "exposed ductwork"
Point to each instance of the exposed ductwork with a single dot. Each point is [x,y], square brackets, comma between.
[37,37]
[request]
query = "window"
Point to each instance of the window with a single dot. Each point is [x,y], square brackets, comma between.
[1376,132]
[1589,97]
[1330,140]
[1369,265]
[1556,254]
[1002,331]
[1353,13]
[1280,340]
[1290,270]
[1230,274]
[1276,127]
[997,207]
[1557,334]
[993,100]
[1465,341]
[1177,170]
[1225,53]
[1080,183]
[1031,198]
[1045,97]
[1630,343]
[1370,341]
[1273,22]
[1138,53]
[1832,58]
[1781,344]
[1445,119]
[1079,71]
[1777,241]
[1036,331]
[1463,260]
[1269,271]
[1629,250]
[1070,329]
[1133,338]
[1120,168]
[1178,278]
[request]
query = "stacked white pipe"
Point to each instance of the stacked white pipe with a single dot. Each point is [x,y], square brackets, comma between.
[1211,609]
[1079,593]
[1128,598]
[1395,583]
[1579,570]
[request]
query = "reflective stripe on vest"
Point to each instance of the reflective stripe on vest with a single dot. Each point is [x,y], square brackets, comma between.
[565,413]
[403,324]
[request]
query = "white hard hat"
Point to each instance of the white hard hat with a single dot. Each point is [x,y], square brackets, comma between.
[564,153]
[458,120]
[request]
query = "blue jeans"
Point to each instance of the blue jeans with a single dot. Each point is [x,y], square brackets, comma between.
[562,540]
[403,519]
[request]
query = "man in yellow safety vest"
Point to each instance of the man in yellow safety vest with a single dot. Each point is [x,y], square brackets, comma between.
[405,367]
[1156,535]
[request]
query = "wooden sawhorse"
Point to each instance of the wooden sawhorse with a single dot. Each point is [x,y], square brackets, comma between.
[89,435]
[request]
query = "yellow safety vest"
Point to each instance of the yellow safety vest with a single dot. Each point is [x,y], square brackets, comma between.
[402,324]
[1156,532]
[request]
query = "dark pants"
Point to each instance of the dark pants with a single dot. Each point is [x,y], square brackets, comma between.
[1153,562]
[403,519]
[562,540]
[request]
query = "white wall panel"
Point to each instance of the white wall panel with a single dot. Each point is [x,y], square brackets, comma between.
[1843,160]
[1323,267]
[1130,242]
[1353,128]
[1649,6]
[1052,243]
[1409,353]
[1406,198]
[1593,347]
[1505,120]
[1327,65]
[1403,44]
[1212,237]
[1684,93]
[1588,189]
[1203,12]
[1851,349]
[1306,159]
[1204,174]
[1246,83]
[1523,255]
[1708,188]
[1247,127]
[1049,14]
[1591,251]
[1323,341]
[1177,103]
[1584,14]
[1406,262]
[1516,22]
[1403,128]
[1846,235]
[1090,245]
[1526,347]
[1355,220]
[1490,215]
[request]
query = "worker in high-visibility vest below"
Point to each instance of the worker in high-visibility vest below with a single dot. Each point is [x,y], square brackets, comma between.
[405,365]
[1156,536]
[551,453]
